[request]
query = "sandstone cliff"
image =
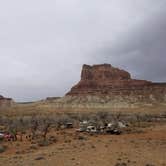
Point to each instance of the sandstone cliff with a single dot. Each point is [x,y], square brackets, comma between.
[104,86]
[106,80]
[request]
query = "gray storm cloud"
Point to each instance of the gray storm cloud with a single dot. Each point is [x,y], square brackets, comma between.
[142,50]
[43,44]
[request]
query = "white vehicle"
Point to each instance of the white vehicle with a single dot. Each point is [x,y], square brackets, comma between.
[85,122]
[2,135]
[109,125]
[83,126]
[91,129]
[121,125]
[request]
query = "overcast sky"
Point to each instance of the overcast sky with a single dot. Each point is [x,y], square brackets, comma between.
[43,44]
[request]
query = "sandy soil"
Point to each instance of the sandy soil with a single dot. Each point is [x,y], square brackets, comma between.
[71,149]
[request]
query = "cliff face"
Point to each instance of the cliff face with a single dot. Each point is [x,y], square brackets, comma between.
[111,86]
[105,80]
[104,86]
[5,102]
[103,72]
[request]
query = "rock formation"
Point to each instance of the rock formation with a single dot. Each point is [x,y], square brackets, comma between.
[105,80]
[5,102]
[104,86]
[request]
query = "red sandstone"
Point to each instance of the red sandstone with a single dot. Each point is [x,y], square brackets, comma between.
[105,79]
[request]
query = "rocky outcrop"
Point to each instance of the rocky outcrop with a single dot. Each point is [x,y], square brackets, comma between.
[104,86]
[105,80]
[103,72]
[107,86]
[5,102]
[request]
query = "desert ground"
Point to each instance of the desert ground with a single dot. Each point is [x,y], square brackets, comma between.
[138,149]
[142,143]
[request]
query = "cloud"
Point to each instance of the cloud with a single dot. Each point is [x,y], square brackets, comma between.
[43,44]
[142,50]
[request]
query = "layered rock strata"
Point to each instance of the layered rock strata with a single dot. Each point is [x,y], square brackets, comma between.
[106,86]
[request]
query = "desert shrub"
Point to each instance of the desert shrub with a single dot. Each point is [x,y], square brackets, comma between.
[80,137]
[83,116]
[21,128]
[52,139]
[45,128]
[121,164]
[12,128]
[102,115]
[43,143]
[65,118]
[2,148]
[33,147]
[40,158]
[34,126]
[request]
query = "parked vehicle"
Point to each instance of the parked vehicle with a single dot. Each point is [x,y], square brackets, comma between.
[83,126]
[91,129]
[1,135]
[69,125]
[8,137]
[121,125]
[111,128]
[113,131]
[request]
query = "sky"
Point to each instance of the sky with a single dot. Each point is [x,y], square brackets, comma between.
[43,44]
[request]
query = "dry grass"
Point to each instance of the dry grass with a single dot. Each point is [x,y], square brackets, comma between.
[144,143]
[43,108]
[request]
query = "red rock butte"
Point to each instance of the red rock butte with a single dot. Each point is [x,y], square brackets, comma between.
[104,79]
